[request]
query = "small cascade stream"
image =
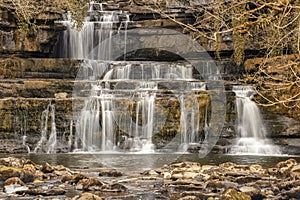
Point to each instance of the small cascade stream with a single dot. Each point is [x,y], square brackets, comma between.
[252,134]
[47,144]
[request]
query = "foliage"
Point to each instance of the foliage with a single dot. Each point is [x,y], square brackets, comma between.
[26,12]
[270,26]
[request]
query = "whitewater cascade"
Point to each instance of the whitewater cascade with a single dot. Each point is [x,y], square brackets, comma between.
[126,99]
[120,110]
[98,28]
[45,144]
[252,134]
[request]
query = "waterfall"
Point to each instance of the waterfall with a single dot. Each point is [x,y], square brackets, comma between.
[45,144]
[252,134]
[120,109]
[98,28]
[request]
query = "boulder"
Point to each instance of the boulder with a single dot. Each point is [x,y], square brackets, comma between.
[90,184]
[8,172]
[47,168]
[115,187]
[54,191]
[233,194]
[110,172]
[14,181]
[73,179]
[87,196]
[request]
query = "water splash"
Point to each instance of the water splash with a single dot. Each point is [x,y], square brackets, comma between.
[252,134]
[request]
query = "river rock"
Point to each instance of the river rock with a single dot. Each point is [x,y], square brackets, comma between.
[115,187]
[295,172]
[89,184]
[8,172]
[47,168]
[189,198]
[87,196]
[214,185]
[167,175]
[14,181]
[254,192]
[190,175]
[227,165]
[54,191]
[14,184]
[232,193]
[256,168]
[273,171]
[201,195]
[14,162]
[110,172]
[294,193]
[247,179]
[73,179]
[27,176]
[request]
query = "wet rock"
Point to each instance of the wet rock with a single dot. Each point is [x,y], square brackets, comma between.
[246,179]
[256,168]
[190,175]
[232,193]
[89,184]
[214,185]
[14,181]
[187,165]
[54,191]
[150,173]
[287,163]
[27,176]
[294,193]
[227,165]
[73,179]
[116,187]
[189,198]
[206,168]
[14,162]
[13,185]
[87,196]
[167,175]
[295,172]
[30,168]
[254,193]
[235,174]
[110,172]
[287,185]
[8,172]
[286,166]
[201,195]
[47,168]
[273,171]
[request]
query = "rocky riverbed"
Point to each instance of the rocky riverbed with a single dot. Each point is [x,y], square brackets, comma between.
[20,178]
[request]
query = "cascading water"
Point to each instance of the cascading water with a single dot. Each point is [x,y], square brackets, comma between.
[252,135]
[45,144]
[97,28]
[120,112]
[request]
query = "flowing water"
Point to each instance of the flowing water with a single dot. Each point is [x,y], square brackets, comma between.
[252,134]
[120,111]
[47,144]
